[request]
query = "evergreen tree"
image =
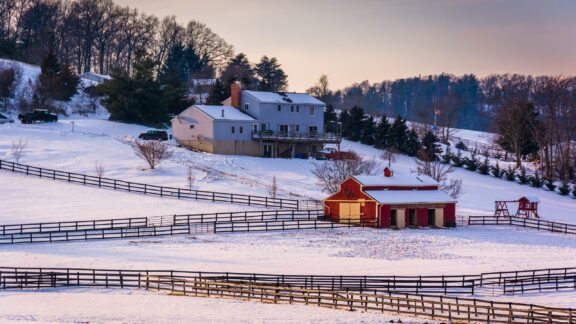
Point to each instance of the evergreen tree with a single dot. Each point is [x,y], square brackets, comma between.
[217,94]
[270,75]
[345,123]
[457,160]
[330,119]
[238,69]
[173,70]
[522,177]
[484,168]
[471,163]
[496,171]
[447,156]
[564,189]
[68,82]
[356,123]
[399,134]
[382,133]
[56,82]
[536,180]
[367,132]
[412,144]
[510,174]
[549,184]
[136,99]
[430,148]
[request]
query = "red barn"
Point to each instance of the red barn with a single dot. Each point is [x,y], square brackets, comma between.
[392,201]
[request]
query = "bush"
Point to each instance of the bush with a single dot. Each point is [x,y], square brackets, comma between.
[574,192]
[457,160]
[496,171]
[549,185]
[522,177]
[510,174]
[484,168]
[471,163]
[535,180]
[153,152]
[564,189]
[447,156]
[461,146]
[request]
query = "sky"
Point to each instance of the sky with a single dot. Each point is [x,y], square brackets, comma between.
[376,40]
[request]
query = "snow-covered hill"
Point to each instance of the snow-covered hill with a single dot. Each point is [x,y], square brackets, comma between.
[26,80]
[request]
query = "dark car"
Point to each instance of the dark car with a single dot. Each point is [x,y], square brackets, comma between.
[38,115]
[156,135]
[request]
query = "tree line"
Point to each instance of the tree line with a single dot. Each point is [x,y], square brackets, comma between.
[534,118]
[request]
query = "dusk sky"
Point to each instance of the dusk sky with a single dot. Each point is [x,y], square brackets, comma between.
[375,40]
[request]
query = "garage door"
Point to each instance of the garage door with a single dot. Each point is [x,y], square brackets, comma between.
[350,212]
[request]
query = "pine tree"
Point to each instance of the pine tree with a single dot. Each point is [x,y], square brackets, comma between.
[430,148]
[48,80]
[345,123]
[238,69]
[68,82]
[412,144]
[536,180]
[356,123]
[522,177]
[270,75]
[564,189]
[484,168]
[549,184]
[367,132]
[510,174]
[457,160]
[447,156]
[471,163]
[217,94]
[173,70]
[496,171]
[382,133]
[330,119]
[399,134]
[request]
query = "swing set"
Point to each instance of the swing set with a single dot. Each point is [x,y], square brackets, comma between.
[523,207]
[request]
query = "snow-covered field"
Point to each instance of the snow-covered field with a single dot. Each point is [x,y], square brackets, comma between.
[77,144]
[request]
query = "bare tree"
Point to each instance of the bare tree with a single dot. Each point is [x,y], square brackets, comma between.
[332,173]
[390,155]
[440,172]
[210,47]
[273,188]
[99,168]
[190,177]
[17,150]
[153,152]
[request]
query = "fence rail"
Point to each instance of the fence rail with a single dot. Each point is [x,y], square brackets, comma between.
[523,222]
[539,284]
[356,298]
[148,189]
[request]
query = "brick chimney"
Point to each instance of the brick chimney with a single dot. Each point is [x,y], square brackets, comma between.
[388,173]
[235,90]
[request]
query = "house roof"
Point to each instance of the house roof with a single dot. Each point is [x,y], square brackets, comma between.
[397,180]
[284,97]
[402,197]
[224,113]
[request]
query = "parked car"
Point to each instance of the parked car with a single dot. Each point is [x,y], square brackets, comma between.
[38,115]
[4,119]
[156,135]
[323,154]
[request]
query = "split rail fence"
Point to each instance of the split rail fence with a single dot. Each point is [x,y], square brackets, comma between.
[351,298]
[153,190]
[523,222]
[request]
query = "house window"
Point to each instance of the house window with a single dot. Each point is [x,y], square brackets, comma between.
[312,111]
[241,130]
[246,107]
[191,126]
[291,108]
[233,129]
[297,108]
[297,128]
[313,129]
[255,128]
[283,128]
[279,108]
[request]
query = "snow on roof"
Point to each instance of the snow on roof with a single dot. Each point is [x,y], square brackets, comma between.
[397,180]
[284,97]
[230,113]
[410,196]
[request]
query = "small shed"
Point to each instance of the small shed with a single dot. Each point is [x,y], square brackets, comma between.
[392,200]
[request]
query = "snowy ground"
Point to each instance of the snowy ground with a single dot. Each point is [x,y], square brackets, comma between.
[465,250]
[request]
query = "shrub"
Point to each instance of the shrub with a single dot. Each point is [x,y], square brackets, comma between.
[496,171]
[457,160]
[447,156]
[510,174]
[549,185]
[153,152]
[472,163]
[535,180]
[461,146]
[522,177]
[484,168]
[564,189]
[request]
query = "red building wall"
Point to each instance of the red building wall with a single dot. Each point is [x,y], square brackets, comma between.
[450,214]
[350,191]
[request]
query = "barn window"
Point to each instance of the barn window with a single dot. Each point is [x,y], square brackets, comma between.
[393,217]
[431,217]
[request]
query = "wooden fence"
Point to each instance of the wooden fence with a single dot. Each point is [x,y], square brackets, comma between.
[369,299]
[523,222]
[175,229]
[539,284]
[148,189]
